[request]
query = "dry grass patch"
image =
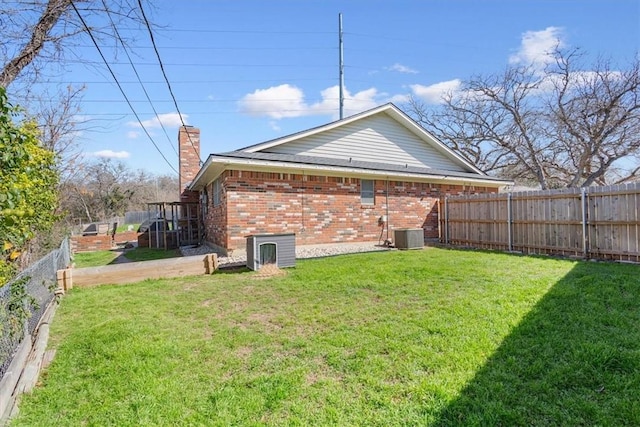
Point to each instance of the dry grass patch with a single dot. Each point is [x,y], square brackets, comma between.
[268,271]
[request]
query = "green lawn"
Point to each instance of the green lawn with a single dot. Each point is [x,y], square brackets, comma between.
[434,337]
[99,258]
[125,227]
[94,259]
[148,254]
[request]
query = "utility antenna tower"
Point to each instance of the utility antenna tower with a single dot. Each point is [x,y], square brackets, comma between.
[341,65]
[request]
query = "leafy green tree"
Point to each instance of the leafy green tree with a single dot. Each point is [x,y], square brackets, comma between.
[28,181]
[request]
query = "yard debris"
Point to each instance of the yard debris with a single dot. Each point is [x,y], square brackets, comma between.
[269,270]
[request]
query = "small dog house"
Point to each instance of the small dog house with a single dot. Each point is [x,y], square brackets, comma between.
[278,249]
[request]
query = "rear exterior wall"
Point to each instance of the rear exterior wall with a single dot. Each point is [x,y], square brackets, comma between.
[320,209]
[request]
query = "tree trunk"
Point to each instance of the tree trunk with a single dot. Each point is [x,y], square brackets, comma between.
[41,31]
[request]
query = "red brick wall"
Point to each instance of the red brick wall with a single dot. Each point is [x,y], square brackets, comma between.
[320,209]
[215,221]
[100,243]
[189,157]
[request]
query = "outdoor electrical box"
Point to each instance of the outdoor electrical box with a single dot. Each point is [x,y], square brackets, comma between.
[276,249]
[408,238]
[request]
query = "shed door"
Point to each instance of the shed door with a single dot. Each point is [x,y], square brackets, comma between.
[268,253]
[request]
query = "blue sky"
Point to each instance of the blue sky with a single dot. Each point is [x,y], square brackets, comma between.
[250,71]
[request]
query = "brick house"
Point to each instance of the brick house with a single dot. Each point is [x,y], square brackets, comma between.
[356,179]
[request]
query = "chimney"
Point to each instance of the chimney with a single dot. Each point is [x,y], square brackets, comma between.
[189,156]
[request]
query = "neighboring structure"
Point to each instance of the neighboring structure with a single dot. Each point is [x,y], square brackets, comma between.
[356,179]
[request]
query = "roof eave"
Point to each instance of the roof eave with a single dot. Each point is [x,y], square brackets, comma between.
[224,163]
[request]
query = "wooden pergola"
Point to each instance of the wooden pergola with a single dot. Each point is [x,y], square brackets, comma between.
[184,225]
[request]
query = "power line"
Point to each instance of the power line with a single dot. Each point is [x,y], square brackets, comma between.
[194,101]
[420,42]
[153,42]
[95,43]
[288,110]
[117,33]
[191,30]
[198,64]
[287,79]
[234,112]
[231,48]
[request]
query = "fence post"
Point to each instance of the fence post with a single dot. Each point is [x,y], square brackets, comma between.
[583,203]
[510,222]
[446,220]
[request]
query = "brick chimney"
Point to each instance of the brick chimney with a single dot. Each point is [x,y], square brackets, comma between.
[189,155]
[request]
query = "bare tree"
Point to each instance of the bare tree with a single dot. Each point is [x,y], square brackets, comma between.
[594,119]
[564,126]
[59,120]
[106,188]
[36,33]
[39,37]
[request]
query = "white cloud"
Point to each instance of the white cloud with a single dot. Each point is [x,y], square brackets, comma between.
[274,126]
[284,101]
[399,99]
[167,120]
[433,93]
[537,47]
[353,103]
[402,69]
[576,80]
[132,134]
[110,154]
[360,101]
[276,102]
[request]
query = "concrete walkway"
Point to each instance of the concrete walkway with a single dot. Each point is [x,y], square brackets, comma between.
[121,259]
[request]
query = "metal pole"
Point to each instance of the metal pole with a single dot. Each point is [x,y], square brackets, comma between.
[341,66]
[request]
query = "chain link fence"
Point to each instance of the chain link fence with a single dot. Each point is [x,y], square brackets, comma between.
[24,300]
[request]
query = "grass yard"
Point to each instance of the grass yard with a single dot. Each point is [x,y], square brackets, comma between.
[149,254]
[434,337]
[99,258]
[94,259]
[125,227]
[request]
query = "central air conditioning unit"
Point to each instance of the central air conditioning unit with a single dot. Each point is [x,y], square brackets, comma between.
[276,249]
[408,238]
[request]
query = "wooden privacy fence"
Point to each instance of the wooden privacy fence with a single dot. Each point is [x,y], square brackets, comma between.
[591,222]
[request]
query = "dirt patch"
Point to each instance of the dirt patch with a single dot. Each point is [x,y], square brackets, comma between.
[265,320]
[244,352]
[208,333]
[322,373]
[269,270]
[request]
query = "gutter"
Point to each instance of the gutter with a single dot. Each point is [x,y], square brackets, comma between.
[381,174]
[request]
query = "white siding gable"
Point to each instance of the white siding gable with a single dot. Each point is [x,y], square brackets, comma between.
[378,138]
